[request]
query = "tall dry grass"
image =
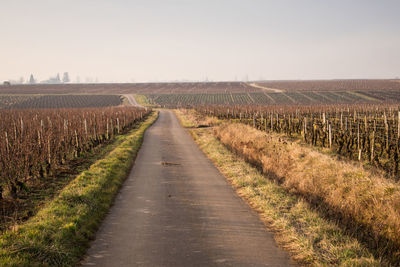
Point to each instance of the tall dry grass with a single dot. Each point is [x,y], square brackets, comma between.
[367,204]
[191,119]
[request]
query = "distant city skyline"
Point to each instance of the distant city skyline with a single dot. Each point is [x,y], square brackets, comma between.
[178,40]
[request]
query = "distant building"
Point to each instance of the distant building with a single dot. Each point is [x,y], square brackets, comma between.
[6,83]
[57,79]
[32,79]
[52,80]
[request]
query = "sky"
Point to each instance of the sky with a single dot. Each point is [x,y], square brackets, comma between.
[215,40]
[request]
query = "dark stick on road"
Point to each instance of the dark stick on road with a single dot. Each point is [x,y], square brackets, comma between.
[176,209]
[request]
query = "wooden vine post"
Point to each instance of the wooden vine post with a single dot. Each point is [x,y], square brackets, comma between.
[358,141]
[386,130]
[272,119]
[398,127]
[86,131]
[7,144]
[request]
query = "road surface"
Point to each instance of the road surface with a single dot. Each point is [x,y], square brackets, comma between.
[266,89]
[176,209]
[132,100]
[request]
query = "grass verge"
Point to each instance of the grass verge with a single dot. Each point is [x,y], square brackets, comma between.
[59,234]
[143,100]
[189,118]
[310,238]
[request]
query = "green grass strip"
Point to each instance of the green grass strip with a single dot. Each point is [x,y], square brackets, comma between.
[60,232]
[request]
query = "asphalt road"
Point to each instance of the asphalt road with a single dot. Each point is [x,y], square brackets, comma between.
[176,209]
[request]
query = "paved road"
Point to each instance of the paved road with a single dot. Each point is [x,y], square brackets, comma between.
[176,209]
[132,100]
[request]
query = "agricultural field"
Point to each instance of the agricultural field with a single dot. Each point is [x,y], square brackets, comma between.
[333,85]
[215,93]
[276,98]
[205,87]
[10,100]
[46,137]
[38,145]
[366,133]
[288,136]
[131,88]
[59,101]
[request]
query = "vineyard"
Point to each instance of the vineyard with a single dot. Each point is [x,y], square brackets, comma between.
[36,143]
[334,85]
[205,87]
[283,98]
[10,100]
[360,132]
[130,88]
[59,101]
[44,138]
[189,94]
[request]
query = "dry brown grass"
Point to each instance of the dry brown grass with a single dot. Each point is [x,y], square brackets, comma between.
[368,204]
[191,119]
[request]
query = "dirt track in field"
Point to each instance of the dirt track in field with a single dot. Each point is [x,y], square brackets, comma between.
[176,209]
[266,89]
[132,100]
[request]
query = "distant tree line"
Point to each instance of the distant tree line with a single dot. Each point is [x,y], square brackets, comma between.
[52,80]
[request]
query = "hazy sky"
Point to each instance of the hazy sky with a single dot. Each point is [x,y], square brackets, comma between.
[151,40]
